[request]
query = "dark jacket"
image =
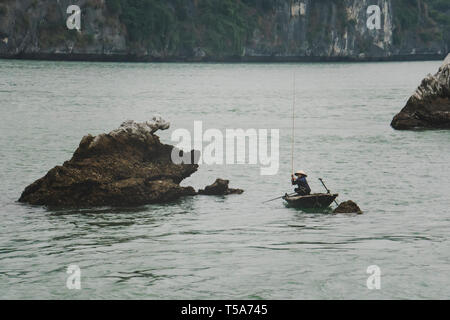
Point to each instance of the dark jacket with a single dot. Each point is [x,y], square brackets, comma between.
[303,187]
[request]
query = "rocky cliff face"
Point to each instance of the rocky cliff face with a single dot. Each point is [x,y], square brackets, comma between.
[429,106]
[224,29]
[324,29]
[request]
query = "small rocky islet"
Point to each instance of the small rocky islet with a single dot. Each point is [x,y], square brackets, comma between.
[348,207]
[429,106]
[219,188]
[127,167]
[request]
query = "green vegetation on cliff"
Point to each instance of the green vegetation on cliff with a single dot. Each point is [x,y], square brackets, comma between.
[427,20]
[219,26]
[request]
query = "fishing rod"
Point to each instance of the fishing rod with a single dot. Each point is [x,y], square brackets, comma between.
[293,125]
[328,191]
[289,195]
[292,138]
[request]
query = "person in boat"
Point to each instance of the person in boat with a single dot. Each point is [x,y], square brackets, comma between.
[303,186]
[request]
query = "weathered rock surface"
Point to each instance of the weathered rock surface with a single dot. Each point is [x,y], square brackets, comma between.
[348,207]
[429,106]
[269,30]
[219,188]
[128,166]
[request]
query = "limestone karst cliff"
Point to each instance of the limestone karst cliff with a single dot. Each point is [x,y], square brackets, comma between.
[245,30]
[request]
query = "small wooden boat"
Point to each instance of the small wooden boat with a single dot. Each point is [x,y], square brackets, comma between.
[311,201]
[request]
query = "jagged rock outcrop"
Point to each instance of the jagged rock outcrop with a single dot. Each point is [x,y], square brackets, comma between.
[127,167]
[348,207]
[429,106]
[219,188]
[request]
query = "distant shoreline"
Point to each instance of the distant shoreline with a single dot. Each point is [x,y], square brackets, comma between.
[236,59]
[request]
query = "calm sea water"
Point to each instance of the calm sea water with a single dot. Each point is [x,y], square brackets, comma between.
[236,246]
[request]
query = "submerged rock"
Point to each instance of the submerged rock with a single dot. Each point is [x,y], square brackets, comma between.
[128,166]
[429,106]
[219,188]
[348,207]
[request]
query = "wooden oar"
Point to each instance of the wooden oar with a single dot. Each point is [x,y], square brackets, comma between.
[289,195]
[328,191]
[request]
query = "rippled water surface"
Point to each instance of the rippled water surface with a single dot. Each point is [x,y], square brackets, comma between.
[235,246]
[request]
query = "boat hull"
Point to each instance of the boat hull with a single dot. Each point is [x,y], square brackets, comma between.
[311,201]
